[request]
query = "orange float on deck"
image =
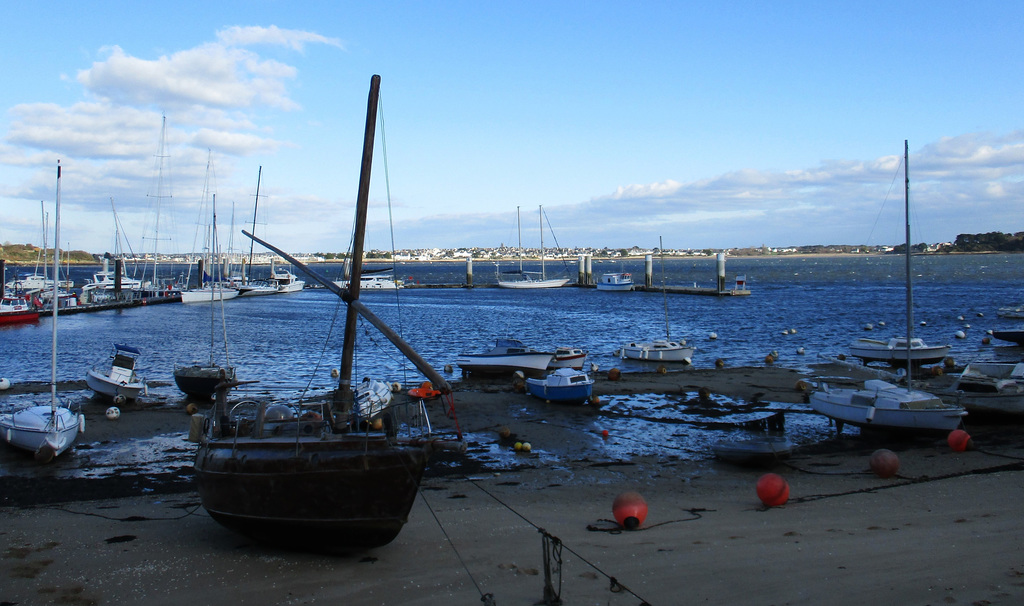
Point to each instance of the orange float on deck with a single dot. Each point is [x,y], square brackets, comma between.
[425,391]
[630,510]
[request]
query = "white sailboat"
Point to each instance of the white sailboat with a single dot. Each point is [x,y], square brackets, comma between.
[883,405]
[212,286]
[531,279]
[659,350]
[45,430]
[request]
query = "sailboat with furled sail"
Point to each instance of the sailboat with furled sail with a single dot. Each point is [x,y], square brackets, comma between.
[321,476]
[46,430]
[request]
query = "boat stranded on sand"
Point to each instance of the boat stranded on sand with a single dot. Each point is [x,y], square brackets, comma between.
[565,385]
[116,378]
[507,356]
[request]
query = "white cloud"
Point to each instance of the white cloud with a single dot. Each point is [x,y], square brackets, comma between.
[291,38]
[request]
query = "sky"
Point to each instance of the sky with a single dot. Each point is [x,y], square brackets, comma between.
[707,124]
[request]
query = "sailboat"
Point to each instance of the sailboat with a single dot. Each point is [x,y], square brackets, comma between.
[212,287]
[318,476]
[883,405]
[46,430]
[659,350]
[531,279]
[200,380]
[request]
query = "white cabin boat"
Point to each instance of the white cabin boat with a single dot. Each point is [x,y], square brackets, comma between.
[373,282]
[564,385]
[989,389]
[507,356]
[620,281]
[568,357]
[117,377]
[894,351]
[660,350]
[883,405]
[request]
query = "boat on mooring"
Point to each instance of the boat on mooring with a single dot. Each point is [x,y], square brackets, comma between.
[615,282]
[565,385]
[316,476]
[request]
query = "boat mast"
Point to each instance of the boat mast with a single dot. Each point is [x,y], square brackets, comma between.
[55,304]
[519,227]
[543,274]
[664,295]
[255,206]
[343,395]
[910,289]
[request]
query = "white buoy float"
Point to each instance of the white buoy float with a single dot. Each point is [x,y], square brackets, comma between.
[5,384]
[869,326]
[800,350]
[113,413]
[960,334]
[713,336]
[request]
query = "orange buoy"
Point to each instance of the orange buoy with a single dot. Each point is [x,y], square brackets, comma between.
[769,359]
[604,434]
[959,440]
[773,490]
[595,400]
[630,510]
[504,431]
[884,463]
[614,374]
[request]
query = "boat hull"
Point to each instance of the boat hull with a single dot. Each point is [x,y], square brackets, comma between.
[1011,336]
[888,408]
[203,295]
[504,363]
[524,284]
[658,352]
[31,428]
[201,381]
[870,350]
[568,394]
[336,494]
[615,282]
[18,317]
[756,452]
[102,385]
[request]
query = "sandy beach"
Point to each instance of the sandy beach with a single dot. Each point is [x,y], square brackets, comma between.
[945,530]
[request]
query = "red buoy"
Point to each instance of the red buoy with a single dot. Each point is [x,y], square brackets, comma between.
[630,510]
[884,463]
[773,490]
[959,440]
[604,434]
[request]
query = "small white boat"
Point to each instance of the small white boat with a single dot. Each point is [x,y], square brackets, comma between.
[45,430]
[373,282]
[255,288]
[507,356]
[372,397]
[620,281]
[117,378]
[564,385]
[658,351]
[1015,313]
[989,388]
[883,405]
[894,351]
[568,357]
[209,294]
[531,279]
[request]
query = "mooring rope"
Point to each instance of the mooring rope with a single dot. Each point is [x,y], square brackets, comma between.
[486,598]
[614,585]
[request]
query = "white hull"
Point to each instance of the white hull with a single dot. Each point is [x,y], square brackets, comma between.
[372,397]
[894,351]
[989,388]
[615,282]
[533,283]
[255,290]
[885,406]
[502,363]
[568,357]
[658,351]
[31,428]
[104,386]
[372,282]
[206,295]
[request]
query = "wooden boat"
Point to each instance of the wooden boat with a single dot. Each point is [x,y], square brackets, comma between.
[116,379]
[309,475]
[756,451]
[531,279]
[45,430]
[17,310]
[507,356]
[615,282]
[884,405]
[565,385]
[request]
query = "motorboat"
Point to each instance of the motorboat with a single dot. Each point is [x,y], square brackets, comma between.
[255,288]
[568,357]
[894,351]
[989,389]
[372,398]
[46,430]
[1010,336]
[507,356]
[660,350]
[17,310]
[106,281]
[373,282]
[117,379]
[619,281]
[564,385]
[211,293]
[286,281]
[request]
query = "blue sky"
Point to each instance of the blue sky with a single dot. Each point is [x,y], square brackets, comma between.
[713,125]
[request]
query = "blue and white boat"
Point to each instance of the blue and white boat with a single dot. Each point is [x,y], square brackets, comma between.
[619,281]
[564,385]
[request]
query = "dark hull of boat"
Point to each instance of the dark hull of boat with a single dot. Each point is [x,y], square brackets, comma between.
[1012,336]
[200,381]
[339,494]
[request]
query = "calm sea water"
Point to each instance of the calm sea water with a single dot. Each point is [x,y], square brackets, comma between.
[289,342]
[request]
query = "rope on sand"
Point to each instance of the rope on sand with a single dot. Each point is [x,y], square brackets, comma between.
[556,545]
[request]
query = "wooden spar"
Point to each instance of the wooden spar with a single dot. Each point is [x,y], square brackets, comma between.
[422,365]
[344,394]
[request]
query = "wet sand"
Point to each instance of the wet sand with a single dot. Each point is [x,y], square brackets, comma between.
[944,531]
